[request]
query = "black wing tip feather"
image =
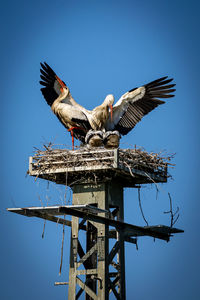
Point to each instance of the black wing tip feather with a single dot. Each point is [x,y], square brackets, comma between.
[44,65]
[48,79]
[159,82]
[43,83]
[47,69]
[160,88]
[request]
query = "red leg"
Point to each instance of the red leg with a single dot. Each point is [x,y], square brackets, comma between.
[72,133]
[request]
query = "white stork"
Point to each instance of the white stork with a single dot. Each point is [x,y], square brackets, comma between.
[72,115]
[138,102]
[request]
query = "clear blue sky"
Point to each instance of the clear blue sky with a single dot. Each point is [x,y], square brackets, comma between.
[99,47]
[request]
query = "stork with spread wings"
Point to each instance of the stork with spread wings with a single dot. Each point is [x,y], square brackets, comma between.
[78,120]
[105,123]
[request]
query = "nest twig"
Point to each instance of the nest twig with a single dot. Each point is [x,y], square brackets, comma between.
[57,158]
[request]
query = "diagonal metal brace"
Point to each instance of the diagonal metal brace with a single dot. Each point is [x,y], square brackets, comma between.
[88,254]
[113,252]
[86,288]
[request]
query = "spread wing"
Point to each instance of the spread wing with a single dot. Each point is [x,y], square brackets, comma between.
[52,83]
[137,103]
[68,111]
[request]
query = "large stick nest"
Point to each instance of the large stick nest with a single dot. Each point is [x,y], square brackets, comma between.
[88,161]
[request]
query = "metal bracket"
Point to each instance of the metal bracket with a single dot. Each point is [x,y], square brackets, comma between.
[100,280]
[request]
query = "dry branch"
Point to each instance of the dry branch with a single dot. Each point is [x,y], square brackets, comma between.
[174,215]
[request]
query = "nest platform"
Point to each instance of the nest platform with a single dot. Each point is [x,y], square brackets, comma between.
[130,166]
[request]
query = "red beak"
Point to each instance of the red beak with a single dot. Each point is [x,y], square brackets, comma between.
[61,83]
[111,112]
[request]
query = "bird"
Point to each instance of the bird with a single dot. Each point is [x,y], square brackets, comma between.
[77,119]
[101,113]
[105,124]
[138,102]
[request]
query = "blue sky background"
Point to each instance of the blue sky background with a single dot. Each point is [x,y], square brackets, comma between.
[99,47]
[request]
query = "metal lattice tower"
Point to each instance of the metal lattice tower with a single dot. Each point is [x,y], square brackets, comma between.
[97,179]
[98,258]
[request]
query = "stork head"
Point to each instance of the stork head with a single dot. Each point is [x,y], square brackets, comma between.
[109,100]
